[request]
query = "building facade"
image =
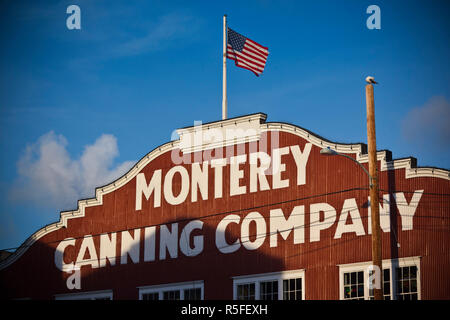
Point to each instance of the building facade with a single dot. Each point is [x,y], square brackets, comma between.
[244,209]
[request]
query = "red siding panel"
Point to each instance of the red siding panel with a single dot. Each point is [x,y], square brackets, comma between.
[329,179]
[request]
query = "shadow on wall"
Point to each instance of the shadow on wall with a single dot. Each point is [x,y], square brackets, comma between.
[192,256]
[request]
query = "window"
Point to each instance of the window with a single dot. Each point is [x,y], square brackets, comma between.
[269,290]
[191,290]
[407,283]
[386,286]
[150,296]
[401,280]
[246,291]
[354,285]
[171,295]
[292,289]
[193,294]
[285,285]
[93,295]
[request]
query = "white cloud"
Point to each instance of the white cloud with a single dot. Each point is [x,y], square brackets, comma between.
[428,125]
[49,177]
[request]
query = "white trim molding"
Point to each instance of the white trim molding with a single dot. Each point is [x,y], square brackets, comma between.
[390,264]
[180,286]
[221,133]
[255,123]
[359,150]
[85,203]
[265,277]
[89,295]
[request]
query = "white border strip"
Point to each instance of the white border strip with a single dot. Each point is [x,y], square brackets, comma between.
[181,286]
[404,163]
[90,295]
[273,126]
[83,204]
[386,264]
[271,276]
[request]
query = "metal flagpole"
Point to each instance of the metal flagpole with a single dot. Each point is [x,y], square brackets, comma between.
[224,89]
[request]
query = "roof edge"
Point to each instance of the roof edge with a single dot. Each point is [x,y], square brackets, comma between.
[360,149]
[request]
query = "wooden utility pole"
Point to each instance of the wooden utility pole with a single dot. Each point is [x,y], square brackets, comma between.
[374,196]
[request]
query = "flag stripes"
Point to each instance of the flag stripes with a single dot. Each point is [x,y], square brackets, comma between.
[246,53]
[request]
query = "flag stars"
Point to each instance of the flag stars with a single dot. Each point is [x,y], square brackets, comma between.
[236,40]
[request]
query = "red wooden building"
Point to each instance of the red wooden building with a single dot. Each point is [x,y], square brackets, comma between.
[244,209]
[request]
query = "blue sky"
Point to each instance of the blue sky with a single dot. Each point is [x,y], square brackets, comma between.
[79,107]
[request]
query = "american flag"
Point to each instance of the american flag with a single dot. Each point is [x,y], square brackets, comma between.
[246,53]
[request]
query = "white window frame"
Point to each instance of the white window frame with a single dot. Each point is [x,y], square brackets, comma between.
[89,295]
[264,277]
[386,264]
[181,286]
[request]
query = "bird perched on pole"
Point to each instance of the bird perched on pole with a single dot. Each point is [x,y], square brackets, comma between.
[371,80]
